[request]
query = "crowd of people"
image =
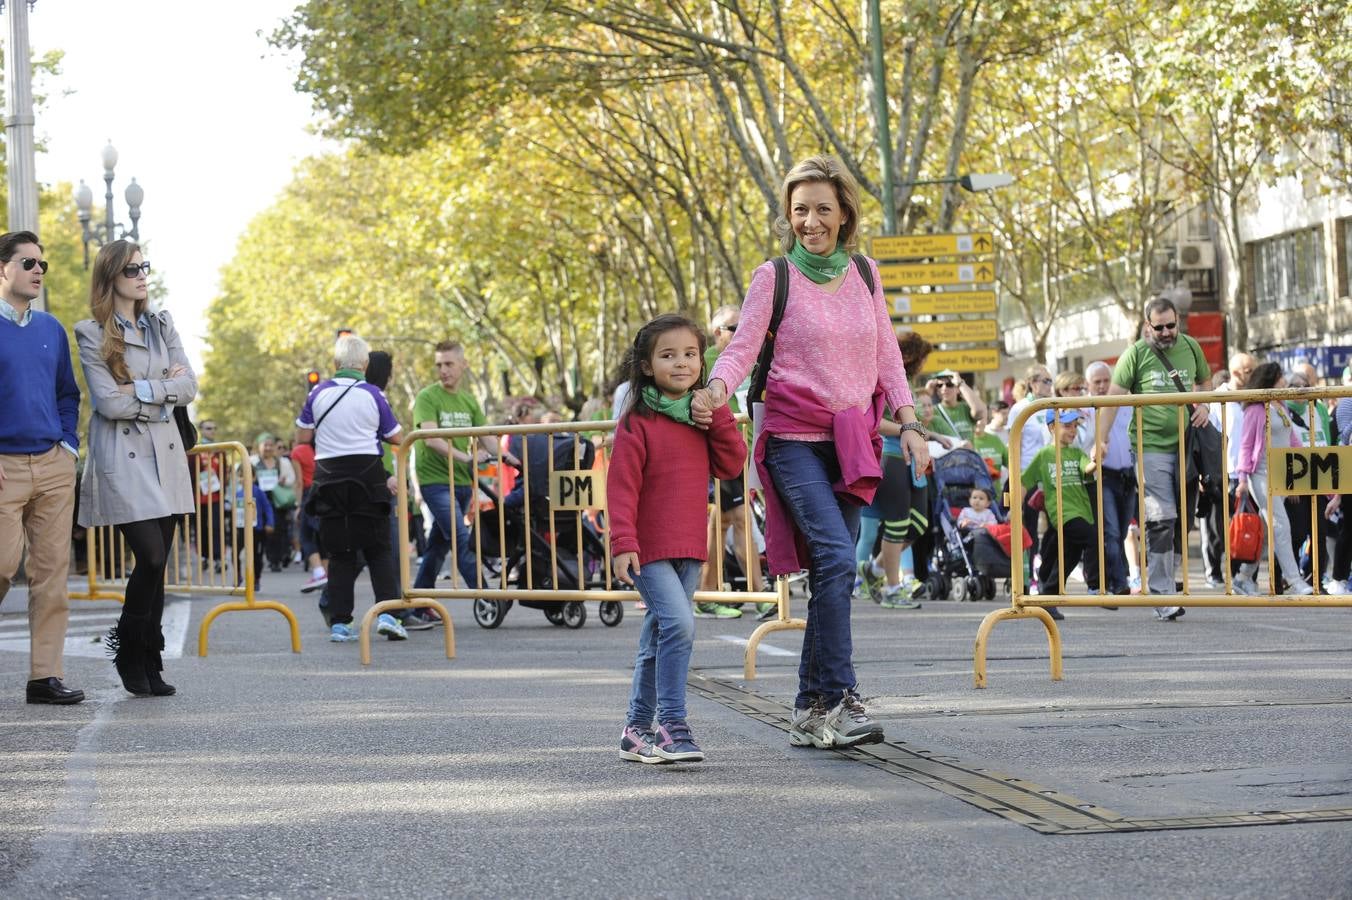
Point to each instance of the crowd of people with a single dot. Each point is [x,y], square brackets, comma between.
[840,462]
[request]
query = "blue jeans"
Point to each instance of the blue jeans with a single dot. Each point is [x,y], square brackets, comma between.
[803,473]
[1119,508]
[444,518]
[665,641]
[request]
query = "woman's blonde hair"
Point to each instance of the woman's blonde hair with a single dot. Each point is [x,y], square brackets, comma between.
[108,266]
[1067,380]
[830,170]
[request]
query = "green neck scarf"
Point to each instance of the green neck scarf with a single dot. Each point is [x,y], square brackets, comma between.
[820,269]
[350,373]
[678,409]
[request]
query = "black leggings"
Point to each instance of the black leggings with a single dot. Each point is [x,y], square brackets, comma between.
[150,542]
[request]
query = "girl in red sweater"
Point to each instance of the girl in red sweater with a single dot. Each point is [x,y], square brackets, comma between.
[657,489]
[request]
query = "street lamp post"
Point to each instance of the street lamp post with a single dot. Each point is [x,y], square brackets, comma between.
[110,229]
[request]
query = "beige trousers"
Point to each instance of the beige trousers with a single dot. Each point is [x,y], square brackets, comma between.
[36,503]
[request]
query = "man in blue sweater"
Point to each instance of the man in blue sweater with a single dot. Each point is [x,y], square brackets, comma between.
[39,413]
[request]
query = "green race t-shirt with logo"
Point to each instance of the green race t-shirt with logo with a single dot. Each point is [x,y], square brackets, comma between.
[963,427]
[1140,371]
[996,455]
[449,409]
[1075,496]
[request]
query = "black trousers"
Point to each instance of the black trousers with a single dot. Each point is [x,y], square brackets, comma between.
[1081,539]
[1342,542]
[371,543]
[143,606]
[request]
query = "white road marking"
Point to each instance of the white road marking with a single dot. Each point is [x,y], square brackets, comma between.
[769,649]
[1281,628]
[93,625]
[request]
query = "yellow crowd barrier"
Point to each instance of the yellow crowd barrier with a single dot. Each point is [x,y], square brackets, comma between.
[576,501]
[214,546]
[1290,472]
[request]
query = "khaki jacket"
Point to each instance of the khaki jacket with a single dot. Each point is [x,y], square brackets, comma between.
[137,468]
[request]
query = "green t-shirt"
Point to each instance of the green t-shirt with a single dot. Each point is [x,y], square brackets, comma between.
[963,428]
[1139,371]
[447,409]
[996,455]
[1042,471]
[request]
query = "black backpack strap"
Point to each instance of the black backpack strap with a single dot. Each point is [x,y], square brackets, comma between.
[861,263]
[767,354]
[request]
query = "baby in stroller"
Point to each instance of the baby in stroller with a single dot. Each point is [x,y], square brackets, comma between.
[967,558]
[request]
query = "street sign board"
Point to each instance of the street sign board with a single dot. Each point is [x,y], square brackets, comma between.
[978,359]
[953,302]
[953,331]
[912,246]
[920,274]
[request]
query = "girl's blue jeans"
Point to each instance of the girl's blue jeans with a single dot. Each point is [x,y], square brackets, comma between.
[803,472]
[665,640]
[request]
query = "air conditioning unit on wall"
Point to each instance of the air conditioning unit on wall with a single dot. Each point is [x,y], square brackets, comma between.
[1196,255]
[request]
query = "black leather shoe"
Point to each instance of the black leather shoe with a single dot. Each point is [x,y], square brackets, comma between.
[51,690]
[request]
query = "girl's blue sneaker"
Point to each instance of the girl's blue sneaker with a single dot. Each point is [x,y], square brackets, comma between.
[675,743]
[636,745]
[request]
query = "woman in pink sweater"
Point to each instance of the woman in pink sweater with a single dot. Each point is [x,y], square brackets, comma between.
[835,365]
[1252,473]
[656,486]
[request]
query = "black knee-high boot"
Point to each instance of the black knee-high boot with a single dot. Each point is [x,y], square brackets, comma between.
[126,643]
[155,665]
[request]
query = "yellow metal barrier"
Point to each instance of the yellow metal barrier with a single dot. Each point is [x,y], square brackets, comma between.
[213,549]
[1025,606]
[589,585]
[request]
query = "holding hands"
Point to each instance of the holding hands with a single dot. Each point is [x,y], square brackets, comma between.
[706,400]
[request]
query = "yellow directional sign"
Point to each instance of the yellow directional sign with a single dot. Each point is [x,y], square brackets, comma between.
[952,303]
[953,331]
[919,274]
[913,246]
[978,359]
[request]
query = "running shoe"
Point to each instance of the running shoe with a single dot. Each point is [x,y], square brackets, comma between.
[766,610]
[807,728]
[871,583]
[1169,613]
[716,611]
[389,626]
[900,598]
[636,745]
[317,580]
[673,742]
[416,621]
[341,633]
[848,724]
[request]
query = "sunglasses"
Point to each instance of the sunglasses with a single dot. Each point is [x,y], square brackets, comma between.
[132,270]
[29,262]
[727,327]
[1164,326]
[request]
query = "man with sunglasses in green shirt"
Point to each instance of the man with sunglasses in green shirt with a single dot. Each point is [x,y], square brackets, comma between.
[1141,371]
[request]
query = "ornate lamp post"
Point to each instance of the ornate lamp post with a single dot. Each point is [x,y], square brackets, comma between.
[109,229]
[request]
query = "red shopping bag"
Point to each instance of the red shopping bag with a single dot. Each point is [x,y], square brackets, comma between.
[1246,532]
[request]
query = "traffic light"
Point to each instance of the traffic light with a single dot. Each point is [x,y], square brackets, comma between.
[311,379]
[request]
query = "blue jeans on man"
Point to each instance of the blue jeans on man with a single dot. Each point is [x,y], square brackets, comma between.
[665,641]
[803,472]
[444,519]
[1119,507]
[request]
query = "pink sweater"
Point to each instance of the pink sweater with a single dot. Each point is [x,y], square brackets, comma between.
[838,347]
[1253,438]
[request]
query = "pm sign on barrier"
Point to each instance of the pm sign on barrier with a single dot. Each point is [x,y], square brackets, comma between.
[1311,470]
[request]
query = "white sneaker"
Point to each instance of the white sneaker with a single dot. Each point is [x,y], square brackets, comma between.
[1245,585]
[848,724]
[1299,588]
[808,728]
[1335,588]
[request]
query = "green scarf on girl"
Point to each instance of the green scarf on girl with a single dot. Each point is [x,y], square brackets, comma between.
[678,409]
[820,269]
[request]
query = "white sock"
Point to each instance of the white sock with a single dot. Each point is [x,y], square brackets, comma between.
[892,589]
[317,573]
[877,570]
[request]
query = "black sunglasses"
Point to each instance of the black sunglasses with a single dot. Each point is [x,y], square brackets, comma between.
[28,262]
[1164,326]
[132,269]
[727,327]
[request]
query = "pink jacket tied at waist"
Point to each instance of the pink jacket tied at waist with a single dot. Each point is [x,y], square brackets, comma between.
[790,409]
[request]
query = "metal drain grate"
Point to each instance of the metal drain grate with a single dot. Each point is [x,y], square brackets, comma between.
[1025,802]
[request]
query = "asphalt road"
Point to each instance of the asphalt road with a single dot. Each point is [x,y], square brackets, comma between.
[495,774]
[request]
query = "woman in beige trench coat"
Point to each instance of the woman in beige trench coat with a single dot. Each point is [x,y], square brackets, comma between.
[136,477]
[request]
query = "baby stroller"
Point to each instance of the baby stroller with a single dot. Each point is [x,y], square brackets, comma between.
[553,535]
[963,566]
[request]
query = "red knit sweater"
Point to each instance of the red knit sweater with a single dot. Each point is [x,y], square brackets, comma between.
[657,488]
